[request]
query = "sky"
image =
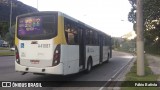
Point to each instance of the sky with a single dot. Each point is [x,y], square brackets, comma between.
[109,16]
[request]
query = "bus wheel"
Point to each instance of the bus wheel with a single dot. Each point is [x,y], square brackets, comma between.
[89,65]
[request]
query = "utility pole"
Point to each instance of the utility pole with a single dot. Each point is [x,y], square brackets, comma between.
[10,22]
[140,38]
[37,4]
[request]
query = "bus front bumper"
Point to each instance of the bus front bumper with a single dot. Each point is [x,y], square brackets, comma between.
[58,70]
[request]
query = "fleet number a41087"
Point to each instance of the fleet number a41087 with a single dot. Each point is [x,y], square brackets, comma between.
[44,45]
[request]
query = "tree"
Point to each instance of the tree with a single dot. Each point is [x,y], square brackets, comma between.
[0,37]
[3,29]
[151,18]
[12,31]
[18,8]
[9,37]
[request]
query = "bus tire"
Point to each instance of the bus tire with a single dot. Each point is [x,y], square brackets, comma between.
[89,65]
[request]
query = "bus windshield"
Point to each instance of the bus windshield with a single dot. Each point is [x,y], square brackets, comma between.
[37,27]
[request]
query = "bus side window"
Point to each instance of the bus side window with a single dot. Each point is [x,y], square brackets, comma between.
[91,37]
[104,41]
[71,33]
[76,35]
[107,41]
[80,37]
[96,40]
[87,36]
[74,38]
[67,30]
[71,36]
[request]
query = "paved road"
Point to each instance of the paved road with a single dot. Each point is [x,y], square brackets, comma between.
[99,73]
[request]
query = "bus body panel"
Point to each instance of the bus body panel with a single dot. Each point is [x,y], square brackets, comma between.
[48,70]
[60,38]
[93,52]
[36,53]
[70,59]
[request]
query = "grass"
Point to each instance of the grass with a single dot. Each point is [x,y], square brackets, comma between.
[2,48]
[7,53]
[132,76]
[122,50]
[155,55]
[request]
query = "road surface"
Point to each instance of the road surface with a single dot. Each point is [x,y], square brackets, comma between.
[99,73]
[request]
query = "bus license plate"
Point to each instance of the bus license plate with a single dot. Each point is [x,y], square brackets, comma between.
[34,61]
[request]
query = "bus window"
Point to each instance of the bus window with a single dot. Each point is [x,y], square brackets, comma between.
[95,38]
[71,33]
[104,41]
[76,35]
[66,29]
[107,41]
[91,37]
[87,36]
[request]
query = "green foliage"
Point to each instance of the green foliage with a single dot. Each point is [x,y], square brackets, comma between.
[3,29]
[128,45]
[132,76]
[151,10]
[132,13]
[18,8]
[153,49]
[151,20]
[8,53]
[10,35]
[12,31]
[9,38]
[2,48]
[116,41]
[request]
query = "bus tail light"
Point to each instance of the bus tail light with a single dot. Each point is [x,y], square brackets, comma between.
[17,55]
[56,56]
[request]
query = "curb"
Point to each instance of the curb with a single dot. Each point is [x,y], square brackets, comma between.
[115,76]
[123,68]
[121,76]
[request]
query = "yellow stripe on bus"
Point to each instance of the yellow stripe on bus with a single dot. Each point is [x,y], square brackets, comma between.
[60,38]
[16,39]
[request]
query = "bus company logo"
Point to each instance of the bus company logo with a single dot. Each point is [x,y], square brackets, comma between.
[22,45]
[6,84]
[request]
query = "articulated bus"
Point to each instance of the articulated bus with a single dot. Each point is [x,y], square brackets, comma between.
[55,43]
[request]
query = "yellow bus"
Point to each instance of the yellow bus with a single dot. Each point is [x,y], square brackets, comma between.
[55,43]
